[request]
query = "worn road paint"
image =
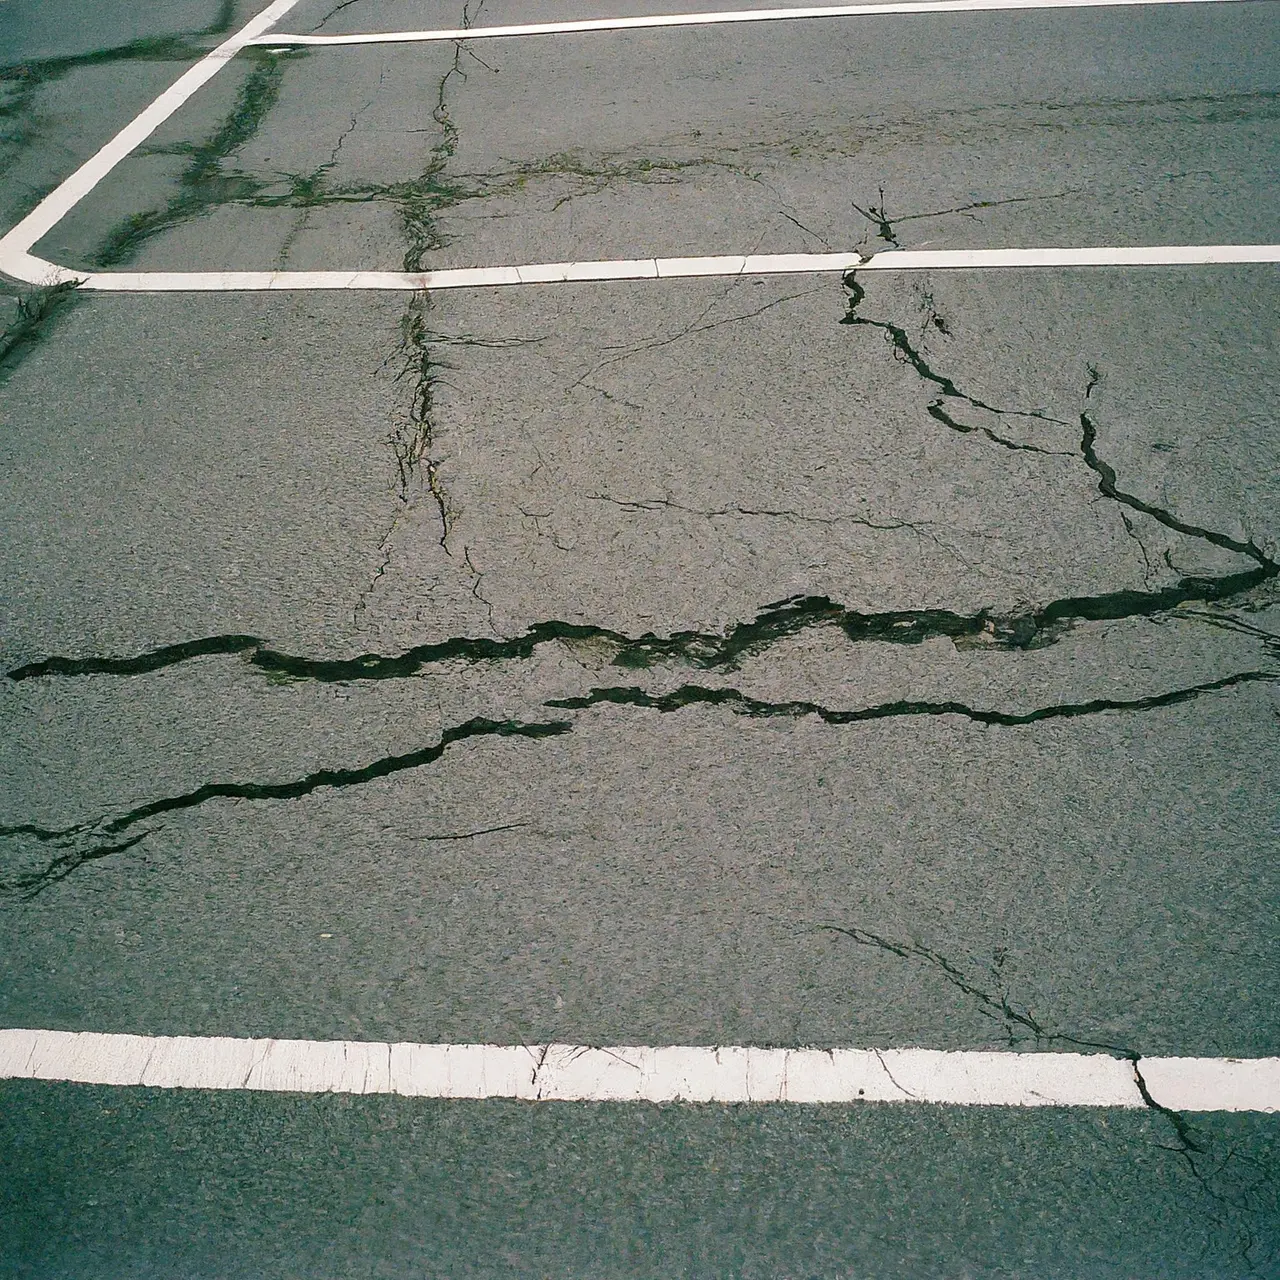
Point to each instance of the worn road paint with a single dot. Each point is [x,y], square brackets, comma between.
[578,1073]
[708,19]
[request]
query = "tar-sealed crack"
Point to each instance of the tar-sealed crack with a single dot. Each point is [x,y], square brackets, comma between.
[88,841]
[1233,1204]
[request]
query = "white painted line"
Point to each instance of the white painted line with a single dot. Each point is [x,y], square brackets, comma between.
[578,1073]
[1238,1084]
[15,257]
[17,261]
[710,19]
[678,268]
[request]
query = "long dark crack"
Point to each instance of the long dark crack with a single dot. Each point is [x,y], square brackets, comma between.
[1108,488]
[88,841]
[703,650]
[1234,1208]
[906,351]
[742,704]
[1188,589]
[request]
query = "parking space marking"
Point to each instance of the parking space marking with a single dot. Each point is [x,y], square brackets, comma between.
[712,18]
[16,260]
[759,264]
[580,1073]
[21,264]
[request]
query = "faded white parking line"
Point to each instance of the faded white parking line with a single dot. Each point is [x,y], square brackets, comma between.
[710,19]
[580,1073]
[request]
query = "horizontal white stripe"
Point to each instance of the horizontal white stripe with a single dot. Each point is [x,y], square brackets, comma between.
[577,1073]
[1240,1084]
[661,268]
[709,19]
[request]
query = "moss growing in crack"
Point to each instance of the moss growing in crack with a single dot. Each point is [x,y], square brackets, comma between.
[595,177]
[36,314]
[203,183]
[21,82]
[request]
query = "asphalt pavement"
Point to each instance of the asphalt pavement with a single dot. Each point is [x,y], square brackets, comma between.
[878,661]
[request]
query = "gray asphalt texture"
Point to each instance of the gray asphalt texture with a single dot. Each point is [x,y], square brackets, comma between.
[795,661]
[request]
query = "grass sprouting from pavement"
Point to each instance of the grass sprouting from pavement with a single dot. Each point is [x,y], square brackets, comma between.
[203,182]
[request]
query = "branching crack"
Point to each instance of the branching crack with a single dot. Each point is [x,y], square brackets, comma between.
[1189,588]
[413,433]
[878,216]
[88,841]
[907,352]
[1235,1207]
[203,183]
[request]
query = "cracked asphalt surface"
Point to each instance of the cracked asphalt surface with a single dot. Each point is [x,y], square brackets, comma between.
[878,662]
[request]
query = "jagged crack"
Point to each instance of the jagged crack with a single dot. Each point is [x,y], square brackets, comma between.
[93,840]
[741,704]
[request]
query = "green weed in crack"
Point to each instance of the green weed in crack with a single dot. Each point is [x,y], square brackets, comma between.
[23,80]
[37,313]
[20,85]
[203,184]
